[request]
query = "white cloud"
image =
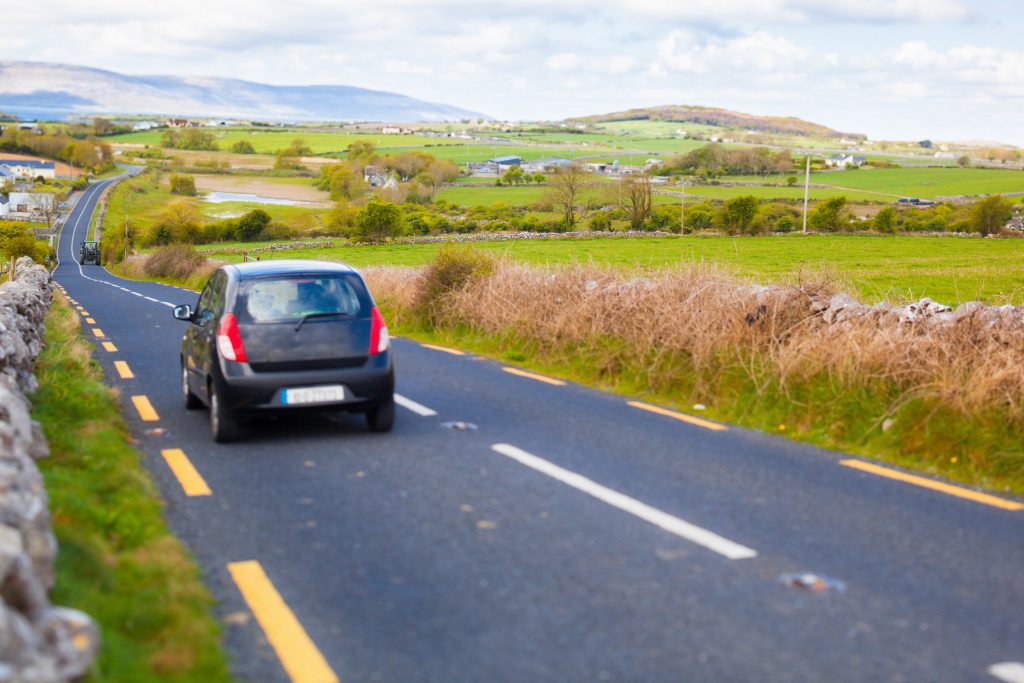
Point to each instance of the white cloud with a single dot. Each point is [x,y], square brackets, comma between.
[563,61]
[760,51]
[400,66]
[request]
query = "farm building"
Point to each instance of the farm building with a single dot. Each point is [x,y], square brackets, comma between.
[507,160]
[844,160]
[26,168]
[29,202]
[546,164]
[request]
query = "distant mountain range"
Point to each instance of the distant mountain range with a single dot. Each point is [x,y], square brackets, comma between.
[58,91]
[712,116]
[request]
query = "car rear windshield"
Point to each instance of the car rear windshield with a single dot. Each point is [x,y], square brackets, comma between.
[291,297]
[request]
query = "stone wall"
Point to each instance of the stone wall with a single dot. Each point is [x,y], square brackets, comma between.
[39,643]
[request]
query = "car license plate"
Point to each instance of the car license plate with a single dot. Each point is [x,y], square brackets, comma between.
[324,394]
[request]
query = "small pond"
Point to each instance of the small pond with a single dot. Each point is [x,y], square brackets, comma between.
[222,197]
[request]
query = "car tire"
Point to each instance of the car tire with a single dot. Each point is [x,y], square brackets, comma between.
[190,400]
[223,425]
[382,418]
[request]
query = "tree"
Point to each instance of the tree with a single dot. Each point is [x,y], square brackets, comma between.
[829,215]
[570,192]
[791,180]
[243,147]
[990,214]
[361,149]
[378,221]
[287,160]
[181,218]
[963,160]
[183,184]
[885,220]
[252,225]
[101,126]
[637,195]
[738,215]
[513,176]
[538,177]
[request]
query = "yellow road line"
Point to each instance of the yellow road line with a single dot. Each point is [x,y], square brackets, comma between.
[109,346]
[189,478]
[97,332]
[83,311]
[298,654]
[445,349]
[145,408]
[90,321]
[123,370]
[958,491]
[530,375]
[682,417]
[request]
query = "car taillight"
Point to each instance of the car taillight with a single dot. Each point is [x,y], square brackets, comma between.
[379,339]
[229,341]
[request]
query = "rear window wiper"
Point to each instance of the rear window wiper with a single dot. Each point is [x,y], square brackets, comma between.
[309,316]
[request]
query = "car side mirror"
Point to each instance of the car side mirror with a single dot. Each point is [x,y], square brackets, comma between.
[183,312]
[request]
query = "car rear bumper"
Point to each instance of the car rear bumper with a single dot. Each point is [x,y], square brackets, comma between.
[244,391]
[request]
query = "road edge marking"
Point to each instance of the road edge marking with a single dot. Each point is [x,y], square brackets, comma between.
[97,332]
[109,347]
[415,407]
[676,415]
[443,349]
[145,409]
[942,487]
[530,375]
[185,472]
[670,523]
[298,654]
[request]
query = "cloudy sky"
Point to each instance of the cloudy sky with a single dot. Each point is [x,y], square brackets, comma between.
[906,69]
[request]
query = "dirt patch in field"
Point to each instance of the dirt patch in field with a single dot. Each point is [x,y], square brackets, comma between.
[263,187]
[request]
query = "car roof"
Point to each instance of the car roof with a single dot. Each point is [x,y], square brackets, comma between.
[288,267]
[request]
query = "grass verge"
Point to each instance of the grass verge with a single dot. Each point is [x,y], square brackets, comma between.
[118,561]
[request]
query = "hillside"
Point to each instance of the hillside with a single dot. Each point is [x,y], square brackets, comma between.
[713,116]
[54,91]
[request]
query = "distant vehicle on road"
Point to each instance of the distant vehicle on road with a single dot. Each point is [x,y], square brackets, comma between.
[285,335]
[89,252]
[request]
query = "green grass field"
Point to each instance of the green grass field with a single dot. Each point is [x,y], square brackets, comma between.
[947,269]
[487,196]
[926,183]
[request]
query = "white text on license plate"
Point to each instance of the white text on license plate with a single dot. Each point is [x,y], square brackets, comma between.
[324,394]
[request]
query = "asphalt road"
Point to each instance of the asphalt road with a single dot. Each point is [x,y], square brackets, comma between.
[570,537]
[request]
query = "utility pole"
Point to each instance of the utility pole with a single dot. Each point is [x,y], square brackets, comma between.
[682,204]
[807,189]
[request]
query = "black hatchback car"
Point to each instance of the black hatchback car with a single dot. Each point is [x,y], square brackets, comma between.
[286,336]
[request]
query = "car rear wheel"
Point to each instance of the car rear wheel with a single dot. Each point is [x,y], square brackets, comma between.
[382,418]
[190,400]
[223,425]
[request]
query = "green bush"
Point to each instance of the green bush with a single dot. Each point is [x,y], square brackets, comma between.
[251,226]
[453,268]
[178,261]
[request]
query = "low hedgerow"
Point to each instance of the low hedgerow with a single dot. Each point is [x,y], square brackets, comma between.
[453,268]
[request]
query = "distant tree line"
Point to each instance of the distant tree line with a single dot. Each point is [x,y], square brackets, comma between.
[87,153]
[715,160]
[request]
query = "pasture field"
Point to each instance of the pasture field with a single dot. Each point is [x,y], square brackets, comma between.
[486,196]
[270,140]
[926,182]
[766,193]
[893,268]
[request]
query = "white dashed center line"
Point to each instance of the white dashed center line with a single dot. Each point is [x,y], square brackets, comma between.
[670,523]
[415,407]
